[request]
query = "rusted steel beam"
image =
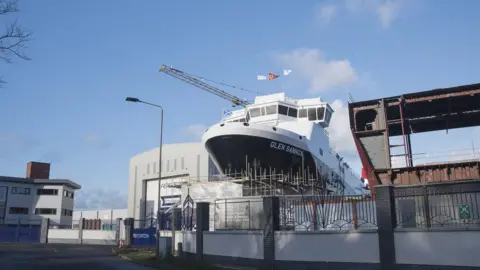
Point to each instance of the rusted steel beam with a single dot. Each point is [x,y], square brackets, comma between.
[418,99]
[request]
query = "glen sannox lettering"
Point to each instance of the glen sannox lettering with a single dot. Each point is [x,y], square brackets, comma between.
[286,148]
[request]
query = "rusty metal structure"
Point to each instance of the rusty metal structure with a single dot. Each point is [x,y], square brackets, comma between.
[373,122]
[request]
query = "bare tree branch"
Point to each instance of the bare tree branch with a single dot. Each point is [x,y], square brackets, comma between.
[14,39]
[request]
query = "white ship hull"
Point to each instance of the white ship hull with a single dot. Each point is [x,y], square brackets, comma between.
[237,148]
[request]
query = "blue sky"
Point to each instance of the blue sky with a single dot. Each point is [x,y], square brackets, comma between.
[66,105]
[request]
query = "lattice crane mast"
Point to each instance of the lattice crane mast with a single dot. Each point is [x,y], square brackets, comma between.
[183,76]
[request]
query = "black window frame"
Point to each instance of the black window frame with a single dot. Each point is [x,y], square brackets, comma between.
[283,110]
[24,211]
[38,211]
[292,112]
[41,192]
[312,116]
[320,110]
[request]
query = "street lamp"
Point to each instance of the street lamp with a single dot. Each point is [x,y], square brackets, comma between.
[132,99]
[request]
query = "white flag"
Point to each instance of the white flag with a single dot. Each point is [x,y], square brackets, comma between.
[226,112]
[261,77]
[286,72]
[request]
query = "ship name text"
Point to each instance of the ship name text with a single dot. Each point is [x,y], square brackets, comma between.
[286,148]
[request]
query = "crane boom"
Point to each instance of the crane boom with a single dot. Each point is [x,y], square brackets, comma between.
[178,74]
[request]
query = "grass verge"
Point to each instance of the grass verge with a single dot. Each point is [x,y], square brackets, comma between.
[147,258]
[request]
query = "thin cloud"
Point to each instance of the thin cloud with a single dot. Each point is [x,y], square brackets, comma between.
[12,145]
[90,199]
[324,14]
[195,130]
[97,141]
[321,74]
[386,11]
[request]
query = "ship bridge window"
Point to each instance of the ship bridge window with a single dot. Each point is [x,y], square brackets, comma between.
[328,116]
[255,112]
[302,113]
[272,109]
[241,120]
[320,113]
[292,112]
[282,109]
[312,114]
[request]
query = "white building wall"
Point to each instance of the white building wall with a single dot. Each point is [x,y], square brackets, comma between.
[33,201]
[180,162]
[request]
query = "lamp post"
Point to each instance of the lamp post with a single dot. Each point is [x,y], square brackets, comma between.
[159,204]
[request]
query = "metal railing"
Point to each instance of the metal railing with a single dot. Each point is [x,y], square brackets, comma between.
[327,212]
[238,214]
[433,206]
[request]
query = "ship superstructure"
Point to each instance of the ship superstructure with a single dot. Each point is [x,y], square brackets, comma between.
[281,134]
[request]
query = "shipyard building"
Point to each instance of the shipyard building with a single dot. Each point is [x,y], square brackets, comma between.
[181,164]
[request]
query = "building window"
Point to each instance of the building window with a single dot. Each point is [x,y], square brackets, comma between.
[182,163]
[68,194]
[154,167]
[47,191]
[174,164]
[168,165]
[3,194]
[21,191]
[148,168]
[45,211]
[18,211]
[321,151]
[67,212]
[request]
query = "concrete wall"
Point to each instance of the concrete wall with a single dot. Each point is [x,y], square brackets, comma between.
[354,247]
[71,236]
[84,236]
[444,248]
[189,242]
[234,244]
[338,250]
[187,160]
[64,236]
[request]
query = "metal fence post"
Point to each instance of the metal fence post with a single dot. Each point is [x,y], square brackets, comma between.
[386,221]
[118,224]
[271,213]
[176,214]
[80,231]
[128,222]
[203,216]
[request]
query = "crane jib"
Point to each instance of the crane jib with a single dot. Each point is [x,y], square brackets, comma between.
[185,77]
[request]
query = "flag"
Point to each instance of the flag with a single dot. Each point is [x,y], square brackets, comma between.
[272,76]
[286,72]
[261,77]
[226,112]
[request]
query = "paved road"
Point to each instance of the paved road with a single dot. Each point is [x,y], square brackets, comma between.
[61,257]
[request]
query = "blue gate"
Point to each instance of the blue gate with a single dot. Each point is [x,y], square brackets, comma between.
[144,236]
[20,233]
